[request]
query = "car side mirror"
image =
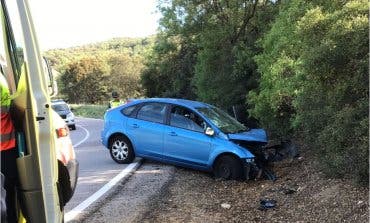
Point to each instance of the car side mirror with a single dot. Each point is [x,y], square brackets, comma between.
[209,131]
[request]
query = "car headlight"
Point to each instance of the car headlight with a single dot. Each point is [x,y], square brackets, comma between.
[249,160]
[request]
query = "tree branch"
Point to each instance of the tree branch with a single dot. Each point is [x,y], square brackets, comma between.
[246,18]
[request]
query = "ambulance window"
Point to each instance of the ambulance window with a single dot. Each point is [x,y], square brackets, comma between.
[14,38]
[2,52]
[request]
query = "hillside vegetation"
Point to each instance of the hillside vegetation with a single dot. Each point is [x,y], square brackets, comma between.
[299,67]
[91,72]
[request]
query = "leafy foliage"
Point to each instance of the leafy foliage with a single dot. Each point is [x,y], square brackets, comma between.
[82,80]
[170,67]
[120,59]
[124,75]
[315,81]
[205,50]
[337,67]
[300,67]
[279,65]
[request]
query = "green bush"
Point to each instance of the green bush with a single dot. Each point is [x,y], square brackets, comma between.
[315,66]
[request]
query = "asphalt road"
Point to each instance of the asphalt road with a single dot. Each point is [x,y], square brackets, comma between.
[128,190]
[96,166]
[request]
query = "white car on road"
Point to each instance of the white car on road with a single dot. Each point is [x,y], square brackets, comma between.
[63,109]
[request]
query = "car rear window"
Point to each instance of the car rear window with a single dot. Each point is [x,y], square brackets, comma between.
[128,111]
[60,107]
[153,112]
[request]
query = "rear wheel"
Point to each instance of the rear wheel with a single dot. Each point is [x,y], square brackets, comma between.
[228,168]
[121,150]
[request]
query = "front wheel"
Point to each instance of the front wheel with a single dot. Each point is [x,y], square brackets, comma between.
[228,168]
[121,150]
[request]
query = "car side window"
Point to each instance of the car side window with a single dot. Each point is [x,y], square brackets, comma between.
[184,118]
[153,112]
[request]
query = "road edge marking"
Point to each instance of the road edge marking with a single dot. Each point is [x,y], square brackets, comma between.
[84,139]
[80,117]
[86,203]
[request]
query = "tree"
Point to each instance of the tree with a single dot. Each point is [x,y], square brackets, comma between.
[83,81]
[314,81]
[123,56]
[124,75]
[336,92]
[279,66]
[206,48]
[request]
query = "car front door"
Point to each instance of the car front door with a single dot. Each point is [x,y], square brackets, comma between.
[184,139]
[146,130]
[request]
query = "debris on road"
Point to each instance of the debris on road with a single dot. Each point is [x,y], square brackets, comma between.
[300,194]
[226,206]
[267,204]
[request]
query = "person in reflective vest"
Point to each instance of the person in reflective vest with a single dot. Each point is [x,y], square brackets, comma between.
[8,152]
[115,102]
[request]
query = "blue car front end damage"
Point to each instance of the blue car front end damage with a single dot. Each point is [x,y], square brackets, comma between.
[255,141]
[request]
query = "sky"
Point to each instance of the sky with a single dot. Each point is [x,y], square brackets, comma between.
[66,23]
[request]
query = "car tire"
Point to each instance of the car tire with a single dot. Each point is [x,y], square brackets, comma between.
[73,127]
[228,168]
[120,150]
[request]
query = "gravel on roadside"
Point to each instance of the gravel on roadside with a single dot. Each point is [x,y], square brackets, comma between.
[301,193]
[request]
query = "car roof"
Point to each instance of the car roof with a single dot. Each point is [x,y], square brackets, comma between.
[183,102]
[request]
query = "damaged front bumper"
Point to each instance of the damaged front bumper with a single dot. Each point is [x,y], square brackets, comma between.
[253,171]
[248,174]
[261,165]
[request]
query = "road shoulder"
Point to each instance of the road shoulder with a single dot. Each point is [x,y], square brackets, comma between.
[129,199]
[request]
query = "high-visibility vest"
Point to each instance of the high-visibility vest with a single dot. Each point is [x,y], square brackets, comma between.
[114,103]
[7,131]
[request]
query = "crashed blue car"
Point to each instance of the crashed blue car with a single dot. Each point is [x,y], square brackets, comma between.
[186,133]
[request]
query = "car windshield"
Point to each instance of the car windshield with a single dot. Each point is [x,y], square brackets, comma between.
[222,120]
[60,107]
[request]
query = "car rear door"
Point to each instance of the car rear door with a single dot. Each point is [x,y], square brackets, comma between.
[184,140]
[146,129]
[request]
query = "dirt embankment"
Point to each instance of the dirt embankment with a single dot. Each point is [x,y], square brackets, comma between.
[301,193]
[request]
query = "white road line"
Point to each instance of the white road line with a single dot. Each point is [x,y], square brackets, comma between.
[84,139]
[96,119]
[86,203]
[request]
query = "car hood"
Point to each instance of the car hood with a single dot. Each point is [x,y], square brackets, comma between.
[253,135]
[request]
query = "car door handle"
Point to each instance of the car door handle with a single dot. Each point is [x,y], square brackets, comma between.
[172,134]
[135,126]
